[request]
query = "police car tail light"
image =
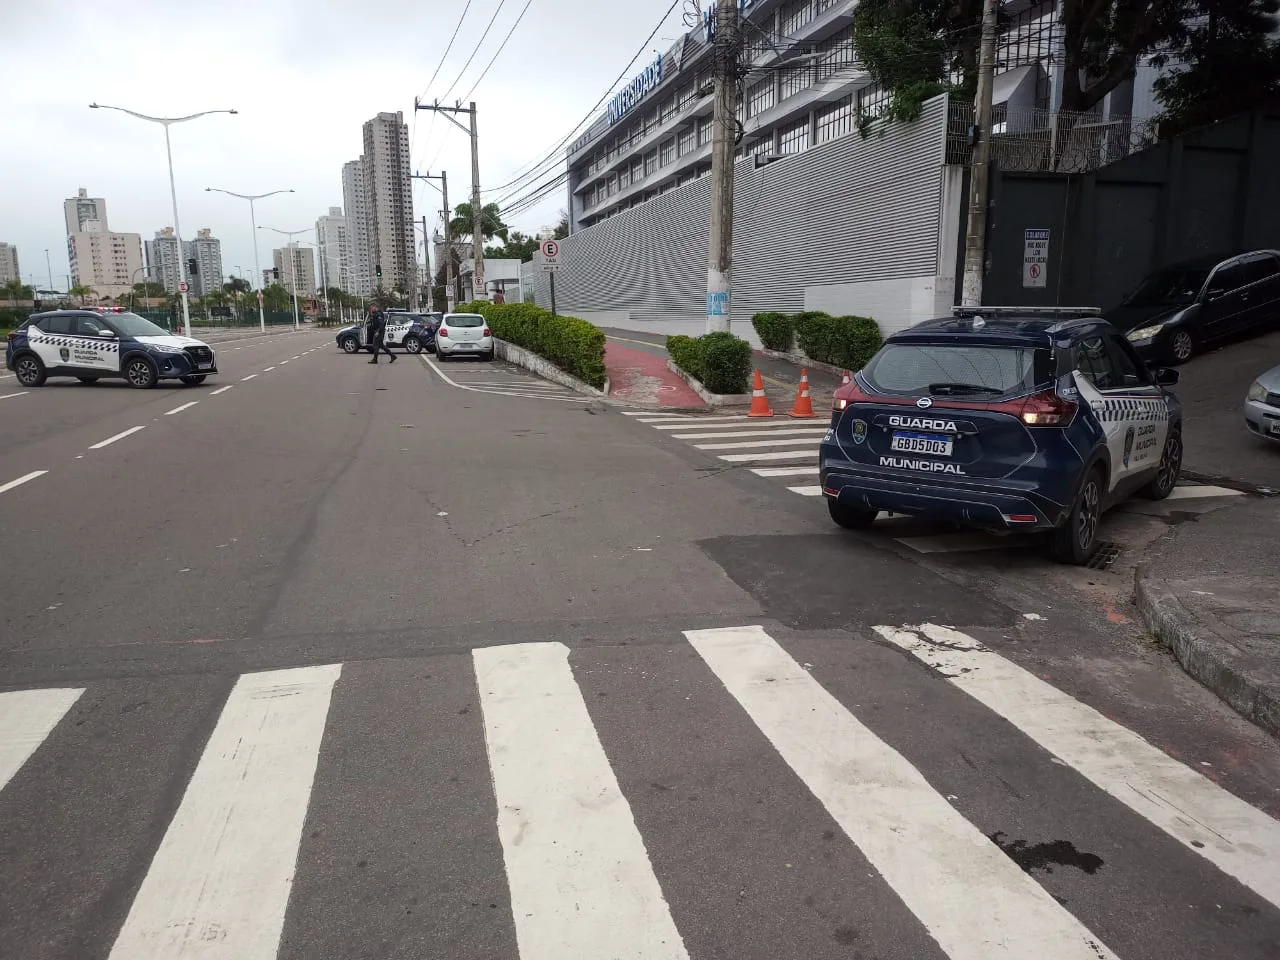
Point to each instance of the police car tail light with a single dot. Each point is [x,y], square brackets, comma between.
[850,393]
[1044,409]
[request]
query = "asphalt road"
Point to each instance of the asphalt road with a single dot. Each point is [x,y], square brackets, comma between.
[347,662]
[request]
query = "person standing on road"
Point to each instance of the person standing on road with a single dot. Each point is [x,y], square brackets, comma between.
[377,331]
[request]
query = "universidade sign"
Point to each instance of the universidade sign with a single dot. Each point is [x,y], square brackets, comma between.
[634,92]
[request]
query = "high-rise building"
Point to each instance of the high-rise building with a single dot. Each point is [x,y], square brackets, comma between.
[206,251]
[355,197]
[302,272]
[162,259]
[9,263]
[334,249]
[108,263]
[388,202]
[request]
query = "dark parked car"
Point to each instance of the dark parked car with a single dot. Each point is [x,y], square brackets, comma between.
[1181,308]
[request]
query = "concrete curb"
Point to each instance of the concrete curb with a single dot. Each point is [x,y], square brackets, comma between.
[709,398]
[800,360]
[1204,655]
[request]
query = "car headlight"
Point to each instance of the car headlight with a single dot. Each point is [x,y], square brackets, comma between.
[1257,392]
[163,348]
[1144,333]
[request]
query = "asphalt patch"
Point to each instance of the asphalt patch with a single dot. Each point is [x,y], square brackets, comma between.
[830,581]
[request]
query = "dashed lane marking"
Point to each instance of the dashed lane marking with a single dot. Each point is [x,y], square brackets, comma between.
[739,434]
[10,396]
[5,488]
[750,444]
[785,471]
[119,436]
[249,377]
[179,409]
[222,390]
[807,491]
[770,455]
[268,370]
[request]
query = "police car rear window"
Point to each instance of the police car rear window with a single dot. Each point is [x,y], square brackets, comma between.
[982,370]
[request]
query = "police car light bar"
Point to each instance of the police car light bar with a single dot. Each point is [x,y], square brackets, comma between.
[1026,311]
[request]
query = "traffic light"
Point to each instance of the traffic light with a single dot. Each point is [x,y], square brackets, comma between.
[193,267]
[378,270]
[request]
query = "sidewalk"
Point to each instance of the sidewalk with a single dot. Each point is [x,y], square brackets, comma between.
[1210,593]
[642,377]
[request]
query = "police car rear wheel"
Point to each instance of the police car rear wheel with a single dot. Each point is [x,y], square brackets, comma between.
[1075,541]
[1169,471]
[349,345]
[413,344]
[141,374]
[850,516]
[30,371]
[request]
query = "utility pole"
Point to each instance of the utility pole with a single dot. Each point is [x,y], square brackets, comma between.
[726,40]
[480,292]
[450,287]
[975,241]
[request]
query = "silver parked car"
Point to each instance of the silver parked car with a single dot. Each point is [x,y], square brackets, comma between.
[464,335]
[1262,405]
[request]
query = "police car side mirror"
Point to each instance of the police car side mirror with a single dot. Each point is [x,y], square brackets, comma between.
[1165,377]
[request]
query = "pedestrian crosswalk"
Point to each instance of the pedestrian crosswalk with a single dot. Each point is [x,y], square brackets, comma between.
[786,450]
[584,826]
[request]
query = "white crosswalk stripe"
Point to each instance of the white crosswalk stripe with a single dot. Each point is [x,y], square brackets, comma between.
[575,860]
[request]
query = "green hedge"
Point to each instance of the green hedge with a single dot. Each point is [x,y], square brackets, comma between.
[721,362]
[847,342]
[573,345]
[775,330]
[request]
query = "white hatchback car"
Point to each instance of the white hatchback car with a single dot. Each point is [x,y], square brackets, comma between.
[464,334]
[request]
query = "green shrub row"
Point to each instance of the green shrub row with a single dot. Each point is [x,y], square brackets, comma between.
[721,362]
[573,345]
[847,342]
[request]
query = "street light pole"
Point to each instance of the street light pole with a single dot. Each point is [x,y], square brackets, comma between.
[253,220]
[166,122]
[293,272]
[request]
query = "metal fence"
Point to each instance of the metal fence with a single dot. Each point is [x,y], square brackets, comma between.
[1046,141]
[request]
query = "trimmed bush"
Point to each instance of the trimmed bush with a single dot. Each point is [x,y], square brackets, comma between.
[573,345]
[721,362]
[775,330]
[847,342]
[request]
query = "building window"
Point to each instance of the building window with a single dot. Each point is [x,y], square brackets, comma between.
[624,178]
[669,107]
[637,169]
[795,138]
[795,79]
[794,16]
[761,96]
[650,162]
[667,153]
[686,141]
[836,54]
[704,132]
[835,120]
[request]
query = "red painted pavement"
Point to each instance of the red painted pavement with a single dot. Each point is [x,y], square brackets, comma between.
[643,377]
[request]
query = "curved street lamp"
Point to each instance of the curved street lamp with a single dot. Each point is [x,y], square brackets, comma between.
[293,270]
[253,220]
[166,122]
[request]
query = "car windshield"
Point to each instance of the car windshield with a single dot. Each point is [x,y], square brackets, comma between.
[957,369]
[132,325]
[465,320]
[1176,285]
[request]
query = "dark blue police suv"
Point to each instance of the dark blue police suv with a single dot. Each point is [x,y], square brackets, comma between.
[1006,418]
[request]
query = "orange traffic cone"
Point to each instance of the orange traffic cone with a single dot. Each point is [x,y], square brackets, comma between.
[847,379]
[759,402]
[804,403]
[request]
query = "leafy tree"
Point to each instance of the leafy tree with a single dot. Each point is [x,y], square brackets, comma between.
[17,290]
[1228,62]
[148,289]
[237,286]
[81,291]
[276,297]
[562,226]
[518,247]
[491,224]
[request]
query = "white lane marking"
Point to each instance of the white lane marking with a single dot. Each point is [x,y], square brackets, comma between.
[656,417]
[962,542]
[268,370]
[771,455]
[179,409]
[580,878]
[1193,491]
[10,396]
[785,471]
[752,444]
[738,434]
[633,413]
[5,488]
[219,882]
[813,491]
[237,348]
[695,423]
[222,390]
[516,385]
[294,358]
[119,436]
[249,377]
[1234,836]
[27,717]
[283,362]
[971,897]
[462,386]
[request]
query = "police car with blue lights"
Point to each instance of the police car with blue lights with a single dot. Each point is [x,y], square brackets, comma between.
[1005,418]
[413,331]
[104,343]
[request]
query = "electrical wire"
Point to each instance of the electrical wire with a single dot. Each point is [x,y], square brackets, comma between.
[445,55]
[498,52]
[479,44]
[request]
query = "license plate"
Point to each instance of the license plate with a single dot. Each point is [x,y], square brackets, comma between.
[204,366]
[1275,427]
[932,443]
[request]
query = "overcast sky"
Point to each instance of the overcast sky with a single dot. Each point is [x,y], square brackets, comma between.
[304,76]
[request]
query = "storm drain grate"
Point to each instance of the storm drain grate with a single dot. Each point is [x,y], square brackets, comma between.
[1104,556]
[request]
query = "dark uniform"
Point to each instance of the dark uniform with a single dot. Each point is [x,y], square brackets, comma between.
[377,329]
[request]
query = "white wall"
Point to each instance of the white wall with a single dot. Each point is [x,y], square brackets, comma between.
[893,304]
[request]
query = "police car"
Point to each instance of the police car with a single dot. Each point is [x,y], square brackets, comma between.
[413,331]
[92,345]
[1007,418]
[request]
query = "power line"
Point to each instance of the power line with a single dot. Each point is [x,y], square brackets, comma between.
[501,4]
[467,95]
[445,55]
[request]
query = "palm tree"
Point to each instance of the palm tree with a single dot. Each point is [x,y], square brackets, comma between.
[491,224]
[17,290]
[81,291]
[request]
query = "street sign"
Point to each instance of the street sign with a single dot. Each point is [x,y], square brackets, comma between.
[1035,258]
[550,256]
[184,286]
